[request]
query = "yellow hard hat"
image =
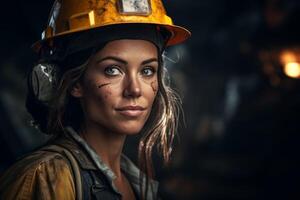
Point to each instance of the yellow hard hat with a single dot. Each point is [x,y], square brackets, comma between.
[71,16]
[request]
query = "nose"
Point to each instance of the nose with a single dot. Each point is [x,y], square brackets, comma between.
[132,87]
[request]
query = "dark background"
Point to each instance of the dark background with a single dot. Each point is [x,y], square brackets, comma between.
[241,139]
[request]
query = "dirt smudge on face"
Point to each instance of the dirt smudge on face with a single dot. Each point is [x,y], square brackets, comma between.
[154,86]
[107,91]
[100,86]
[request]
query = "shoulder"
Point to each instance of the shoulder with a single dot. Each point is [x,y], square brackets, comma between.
[41,175]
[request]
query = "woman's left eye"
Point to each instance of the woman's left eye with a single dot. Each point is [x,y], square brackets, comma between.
[148,71]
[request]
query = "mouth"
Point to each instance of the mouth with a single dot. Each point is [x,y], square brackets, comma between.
[131,111]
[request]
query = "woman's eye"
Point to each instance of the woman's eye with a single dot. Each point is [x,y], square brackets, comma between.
[112,71]
[148,71]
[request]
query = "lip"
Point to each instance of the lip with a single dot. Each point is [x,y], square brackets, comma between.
[131,111]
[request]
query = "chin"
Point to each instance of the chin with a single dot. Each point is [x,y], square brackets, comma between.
[130,129]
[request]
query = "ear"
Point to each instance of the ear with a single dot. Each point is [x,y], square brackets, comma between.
[77,90]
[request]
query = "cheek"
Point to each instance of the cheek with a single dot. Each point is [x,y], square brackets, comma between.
[106,93]
[102,91]
[150,90]
[151,84]
[154,86]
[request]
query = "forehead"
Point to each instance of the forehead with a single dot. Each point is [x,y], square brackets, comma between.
[128,47]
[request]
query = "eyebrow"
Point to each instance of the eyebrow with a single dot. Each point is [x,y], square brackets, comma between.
[124,62]
[149,61]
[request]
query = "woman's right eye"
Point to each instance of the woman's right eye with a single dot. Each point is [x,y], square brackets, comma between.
[112,70]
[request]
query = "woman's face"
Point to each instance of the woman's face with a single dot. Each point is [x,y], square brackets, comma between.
[119,86]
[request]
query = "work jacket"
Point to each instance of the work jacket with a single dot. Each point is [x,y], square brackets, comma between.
[50,173]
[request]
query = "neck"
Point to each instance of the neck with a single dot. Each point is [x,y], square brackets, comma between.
[108,145]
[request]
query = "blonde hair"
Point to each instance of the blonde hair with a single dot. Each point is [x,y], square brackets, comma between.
[161,127]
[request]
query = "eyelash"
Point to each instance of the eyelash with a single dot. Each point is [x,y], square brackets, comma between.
[115,67]
[149,68]
[112,67]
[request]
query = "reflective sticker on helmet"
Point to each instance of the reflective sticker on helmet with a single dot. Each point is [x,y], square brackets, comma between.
[134,7]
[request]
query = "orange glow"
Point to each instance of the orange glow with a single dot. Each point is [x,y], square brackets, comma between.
[288,57]
[292,69]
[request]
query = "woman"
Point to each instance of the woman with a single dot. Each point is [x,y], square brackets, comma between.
[100,79]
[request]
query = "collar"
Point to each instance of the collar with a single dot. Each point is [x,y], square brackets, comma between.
[131,171]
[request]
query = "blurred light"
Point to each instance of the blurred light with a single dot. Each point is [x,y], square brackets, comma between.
[292,69]
[288,57]
[92,18]
[290,60]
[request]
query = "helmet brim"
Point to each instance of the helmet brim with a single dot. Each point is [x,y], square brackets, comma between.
[178,34]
